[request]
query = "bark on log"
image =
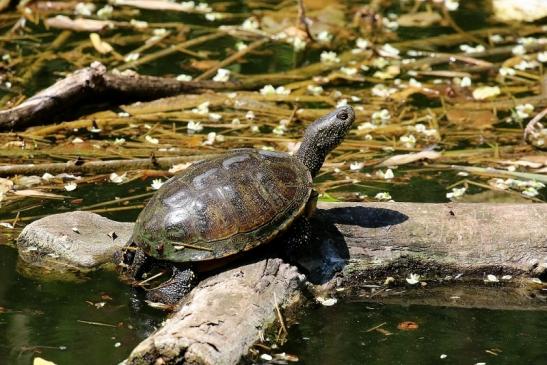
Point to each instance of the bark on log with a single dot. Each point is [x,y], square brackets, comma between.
[225,314]
[97,167]
[95,84]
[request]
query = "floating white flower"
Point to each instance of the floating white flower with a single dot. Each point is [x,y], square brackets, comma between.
[77,140]
[486,92]
[118,179]
[383,91]
[492,278]
[105,12]
[84,9]
[159,32]
[496,38]
[179,167]
[341,103]
[383,196]
[456,193]
[151,139]
[47,176]
[507,71]
[156,184]
[519,50]
[356,166]
[388,50]
[132,57]
[408,141]
[298,43]
[215,117]
[194,126]
[119,141]
[213,16]
[470,49]
[184,77]
[123,114]
[202,109]
[314,89]
[451,5]
[250,24]
[383,116]
[523,111]
[465,82]
[413,279]
[324,36]
[530,192]
[203,8]
[327,302]
[250,115]
[240,46]
[188,5]
[211,137]
[329,57]
[366,125]
[542,57]
[139,24]
[222,75]
[414,83]
[362,43]
[350,71]
[526,65]
[71,186]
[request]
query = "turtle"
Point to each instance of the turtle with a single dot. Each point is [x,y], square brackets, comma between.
[220,208]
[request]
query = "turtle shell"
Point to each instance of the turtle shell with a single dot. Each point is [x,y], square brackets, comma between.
[223,206]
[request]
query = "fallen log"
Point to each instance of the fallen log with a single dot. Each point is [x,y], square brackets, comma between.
[96,84]
[365,242]
[97,167]
[355,246]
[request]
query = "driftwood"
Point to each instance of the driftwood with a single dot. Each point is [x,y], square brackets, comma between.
[357,245]
[97,167]
[96,84]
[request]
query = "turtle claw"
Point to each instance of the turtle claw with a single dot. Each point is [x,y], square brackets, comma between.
[174,289]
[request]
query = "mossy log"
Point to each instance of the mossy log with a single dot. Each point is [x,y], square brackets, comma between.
[356,245]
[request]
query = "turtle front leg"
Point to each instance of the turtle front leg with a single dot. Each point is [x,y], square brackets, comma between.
[174,289]
[132,262]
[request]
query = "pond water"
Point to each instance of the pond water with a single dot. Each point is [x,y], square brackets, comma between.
[97,320]
[344,334]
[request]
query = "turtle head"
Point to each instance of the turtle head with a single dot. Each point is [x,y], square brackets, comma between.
[323,135]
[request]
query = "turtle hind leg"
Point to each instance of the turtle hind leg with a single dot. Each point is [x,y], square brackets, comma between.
[298,239]
[175,288]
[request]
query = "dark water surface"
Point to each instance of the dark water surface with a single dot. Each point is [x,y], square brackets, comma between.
[341,335]
[47,318]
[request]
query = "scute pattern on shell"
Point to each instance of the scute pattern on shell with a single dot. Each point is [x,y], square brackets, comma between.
[224,206]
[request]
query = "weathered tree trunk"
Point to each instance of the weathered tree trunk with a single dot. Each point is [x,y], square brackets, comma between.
[365,243]
[95,84]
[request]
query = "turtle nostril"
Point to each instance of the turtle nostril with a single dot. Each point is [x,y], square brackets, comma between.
[342,116]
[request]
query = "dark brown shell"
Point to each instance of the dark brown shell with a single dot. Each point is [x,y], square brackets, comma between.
[223,206]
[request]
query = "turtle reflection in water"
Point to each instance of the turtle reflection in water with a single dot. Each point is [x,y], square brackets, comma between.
[220,208]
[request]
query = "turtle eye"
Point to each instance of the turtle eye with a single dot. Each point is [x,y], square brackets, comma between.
[342,115]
